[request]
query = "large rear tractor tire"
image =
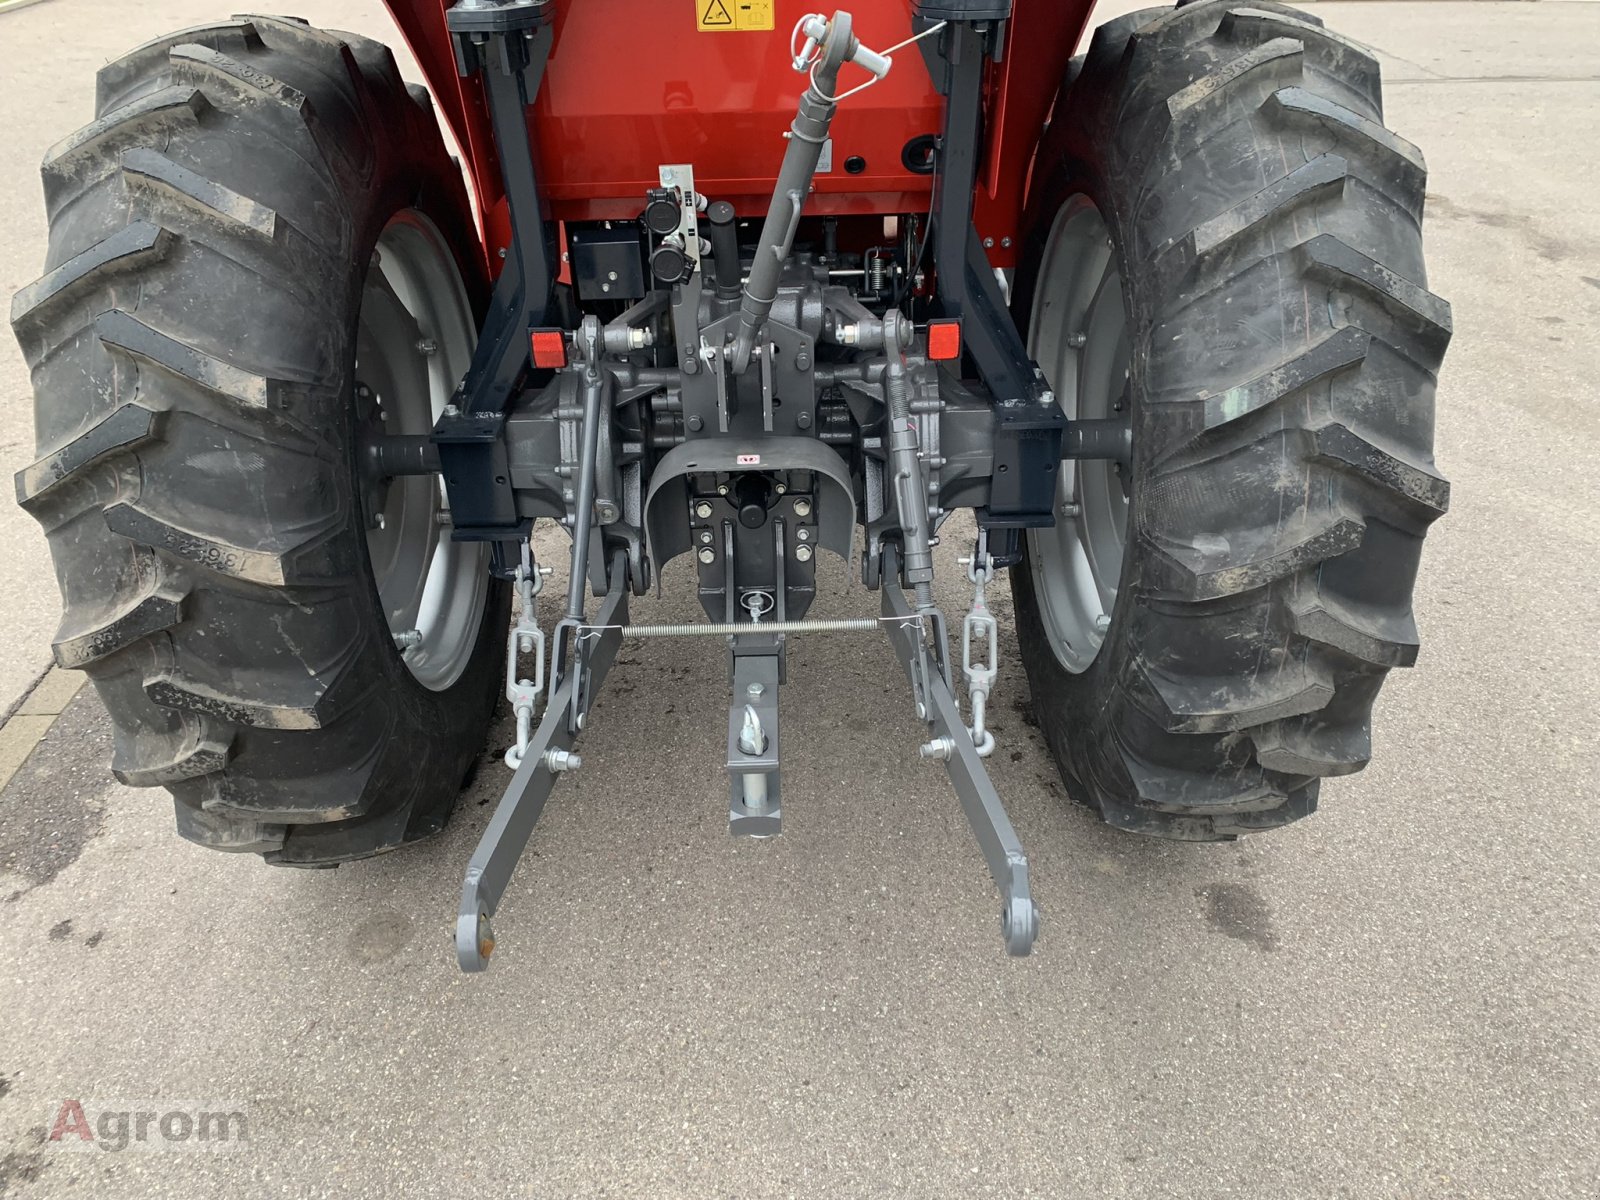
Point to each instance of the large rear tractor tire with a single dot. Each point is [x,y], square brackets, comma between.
[1225,250]
[260,253]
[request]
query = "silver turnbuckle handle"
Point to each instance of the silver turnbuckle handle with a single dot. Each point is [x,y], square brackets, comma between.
[981,629]
[525,641]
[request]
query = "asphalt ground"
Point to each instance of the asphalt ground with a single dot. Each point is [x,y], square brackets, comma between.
[1394,998]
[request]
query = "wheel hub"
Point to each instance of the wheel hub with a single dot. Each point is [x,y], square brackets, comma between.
[415,340]
[1079,336]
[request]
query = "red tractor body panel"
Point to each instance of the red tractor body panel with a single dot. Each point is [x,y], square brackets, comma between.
[632,84]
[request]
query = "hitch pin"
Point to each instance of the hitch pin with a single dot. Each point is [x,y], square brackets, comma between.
[815,27]
[753,741]
[877,63]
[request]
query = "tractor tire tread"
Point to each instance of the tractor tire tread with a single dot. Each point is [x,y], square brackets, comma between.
[1279,506]
[197,498]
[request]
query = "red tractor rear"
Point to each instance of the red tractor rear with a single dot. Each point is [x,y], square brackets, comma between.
[741,284]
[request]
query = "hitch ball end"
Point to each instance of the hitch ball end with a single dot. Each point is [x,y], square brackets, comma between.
[1019,925]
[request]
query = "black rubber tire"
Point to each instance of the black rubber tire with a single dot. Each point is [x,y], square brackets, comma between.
[1267,229]
[193,347]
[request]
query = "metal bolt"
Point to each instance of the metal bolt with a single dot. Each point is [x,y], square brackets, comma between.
[502,251]
[611,275]
[941,748]
[427,347]
[988,243]
[706,538]
[408,638]
[558,761]
[1077,340]
[379,521]
[802,507]
[722,489]
[1005,241]
[443,517]
[802,553]
[802,534]
[703,509]
[708,555]
[1101,624]
[606,512]
[755,691]
[780,488]
[696,424]
[450,410]
[1069,509]
[802,361]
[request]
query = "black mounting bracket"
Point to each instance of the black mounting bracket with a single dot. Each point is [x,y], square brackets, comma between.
[964,10]
[508,44]
[1028,423]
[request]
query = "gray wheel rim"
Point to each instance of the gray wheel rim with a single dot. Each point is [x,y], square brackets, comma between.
[415,341]
[1078,334]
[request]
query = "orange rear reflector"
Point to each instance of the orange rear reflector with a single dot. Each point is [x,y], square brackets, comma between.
[549,348]
[944,340]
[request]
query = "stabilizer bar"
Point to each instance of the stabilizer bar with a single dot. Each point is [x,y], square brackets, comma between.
[549,754]
[952,741]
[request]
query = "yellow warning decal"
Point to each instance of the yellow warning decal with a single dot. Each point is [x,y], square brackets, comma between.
[733,16]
